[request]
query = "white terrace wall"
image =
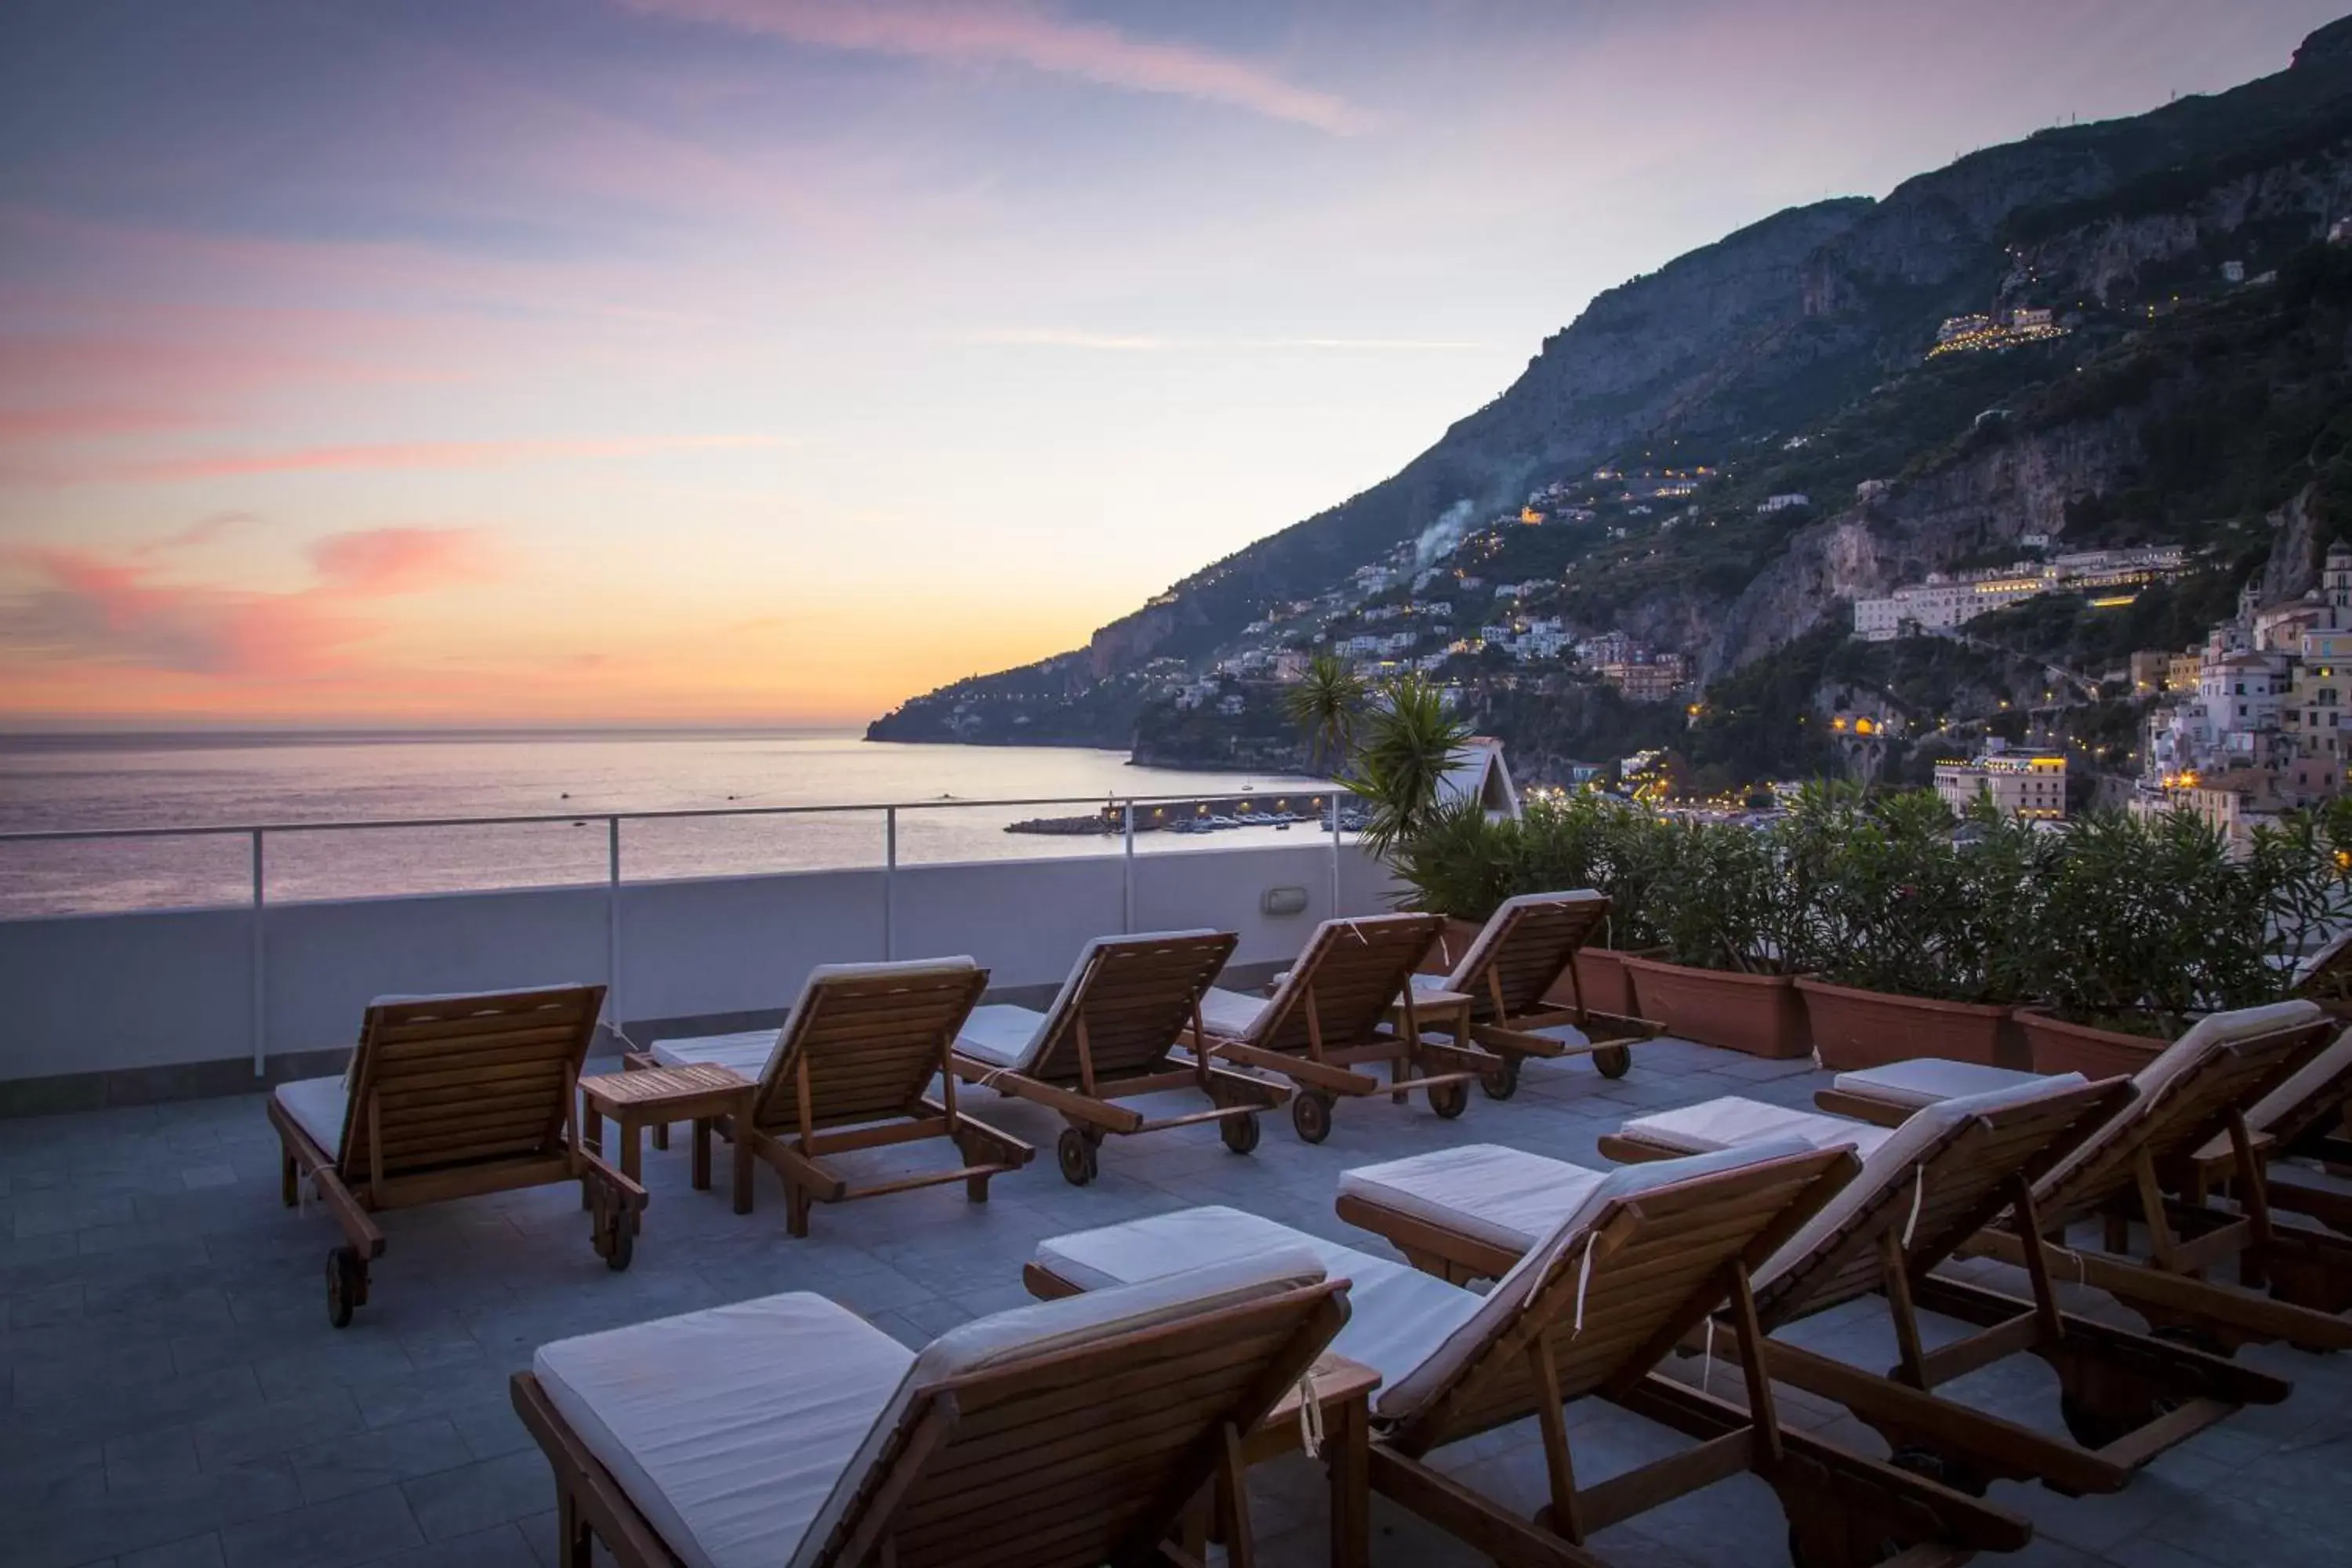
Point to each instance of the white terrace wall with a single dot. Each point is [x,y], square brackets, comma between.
[83,994]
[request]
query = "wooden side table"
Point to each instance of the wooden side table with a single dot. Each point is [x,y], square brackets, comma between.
[1447,1011]
[656,1096]
[1343,1392]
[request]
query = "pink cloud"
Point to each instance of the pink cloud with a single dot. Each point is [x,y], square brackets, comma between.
[110,612]
[382,561]
[201,532]
[381,455]
[26,426]
[1010,32]
[89,608]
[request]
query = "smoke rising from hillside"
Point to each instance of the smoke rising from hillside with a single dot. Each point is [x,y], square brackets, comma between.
[1440,537]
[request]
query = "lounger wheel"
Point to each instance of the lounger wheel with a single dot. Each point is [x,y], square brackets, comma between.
[1938,1467]
[1310,1115]
[612,1229]
[1239,1134]
[1799,1558]
[1076,1151]
[1504,1081]
[1449,1099]
[346,1285]
[1613,1061]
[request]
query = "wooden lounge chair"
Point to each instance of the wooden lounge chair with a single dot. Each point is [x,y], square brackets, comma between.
[787,1430]
[852,1070]
[2198,1094]
[1332,1014]
[1525,949]
[1606,1296]
[2304,1119]
[1111,1035]
[2326,978]
[449,1097]
[1925,1192]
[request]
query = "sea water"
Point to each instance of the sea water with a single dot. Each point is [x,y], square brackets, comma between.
[113,781]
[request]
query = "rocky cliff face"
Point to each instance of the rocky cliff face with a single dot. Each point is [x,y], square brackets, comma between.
[2019,486]
[2126,254]
[1782,324]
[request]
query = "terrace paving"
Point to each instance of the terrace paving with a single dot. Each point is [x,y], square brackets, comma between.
[174,1396]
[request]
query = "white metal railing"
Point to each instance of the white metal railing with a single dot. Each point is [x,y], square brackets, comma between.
[1324,804]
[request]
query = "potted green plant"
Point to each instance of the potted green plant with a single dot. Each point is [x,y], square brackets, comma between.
[2150,923]
[1922,932]
[1623,851]
[1733,906]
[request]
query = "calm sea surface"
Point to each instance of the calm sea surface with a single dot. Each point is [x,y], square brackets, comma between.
[49,783]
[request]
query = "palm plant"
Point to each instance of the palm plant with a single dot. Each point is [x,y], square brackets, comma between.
[1409,740]
[1326,705]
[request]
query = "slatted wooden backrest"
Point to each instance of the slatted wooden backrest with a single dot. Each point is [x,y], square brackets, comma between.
[1660,1265]
[1535,947]
[1084,1456]
[1354,970]
[866,1045]
[2313,1098]
[464,1080]
[2181,1114]
[1136,997]
[2330,981]
[1957,1186]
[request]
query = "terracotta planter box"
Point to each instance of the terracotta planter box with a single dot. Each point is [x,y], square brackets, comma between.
[1854,1029]
[2056,1046]
[1762,1015]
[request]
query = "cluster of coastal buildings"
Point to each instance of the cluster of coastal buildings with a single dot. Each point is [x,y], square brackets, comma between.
[1950,599]
[1979,332]
[2251,723]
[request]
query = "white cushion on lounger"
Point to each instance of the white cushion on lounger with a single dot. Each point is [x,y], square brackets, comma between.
[1008,1036]
[1731,1121]
[1051,1326]
[1001,1034]
[728,1428]
[1473,956]
[316,1104]
[1924,1080]
[2209,1035]
[2309,1080]
[1504,1196]
[747,1052]
[1400,1396]
[1417,1331]
[1897,1154]
[1397,1315]
[1230,1014]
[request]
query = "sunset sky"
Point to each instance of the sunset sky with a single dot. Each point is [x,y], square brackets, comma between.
[768,360]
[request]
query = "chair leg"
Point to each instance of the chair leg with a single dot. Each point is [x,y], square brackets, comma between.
[975,1188]
[796,1209]
[289,1180]
[575,1546]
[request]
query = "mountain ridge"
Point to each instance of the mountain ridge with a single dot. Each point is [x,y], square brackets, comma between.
[1756,339]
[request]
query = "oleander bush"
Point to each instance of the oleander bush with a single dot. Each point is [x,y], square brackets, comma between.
[2126,921]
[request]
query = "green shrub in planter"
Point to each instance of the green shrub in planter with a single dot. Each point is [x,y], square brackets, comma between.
[1724,899]
[1903,907]
[1461,864]
[2149,921]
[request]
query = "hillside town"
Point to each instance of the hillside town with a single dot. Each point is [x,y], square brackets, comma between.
[2251,723]
[1949,599]
[1427,606]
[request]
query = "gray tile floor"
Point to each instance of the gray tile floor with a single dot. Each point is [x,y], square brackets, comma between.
[175,1396]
